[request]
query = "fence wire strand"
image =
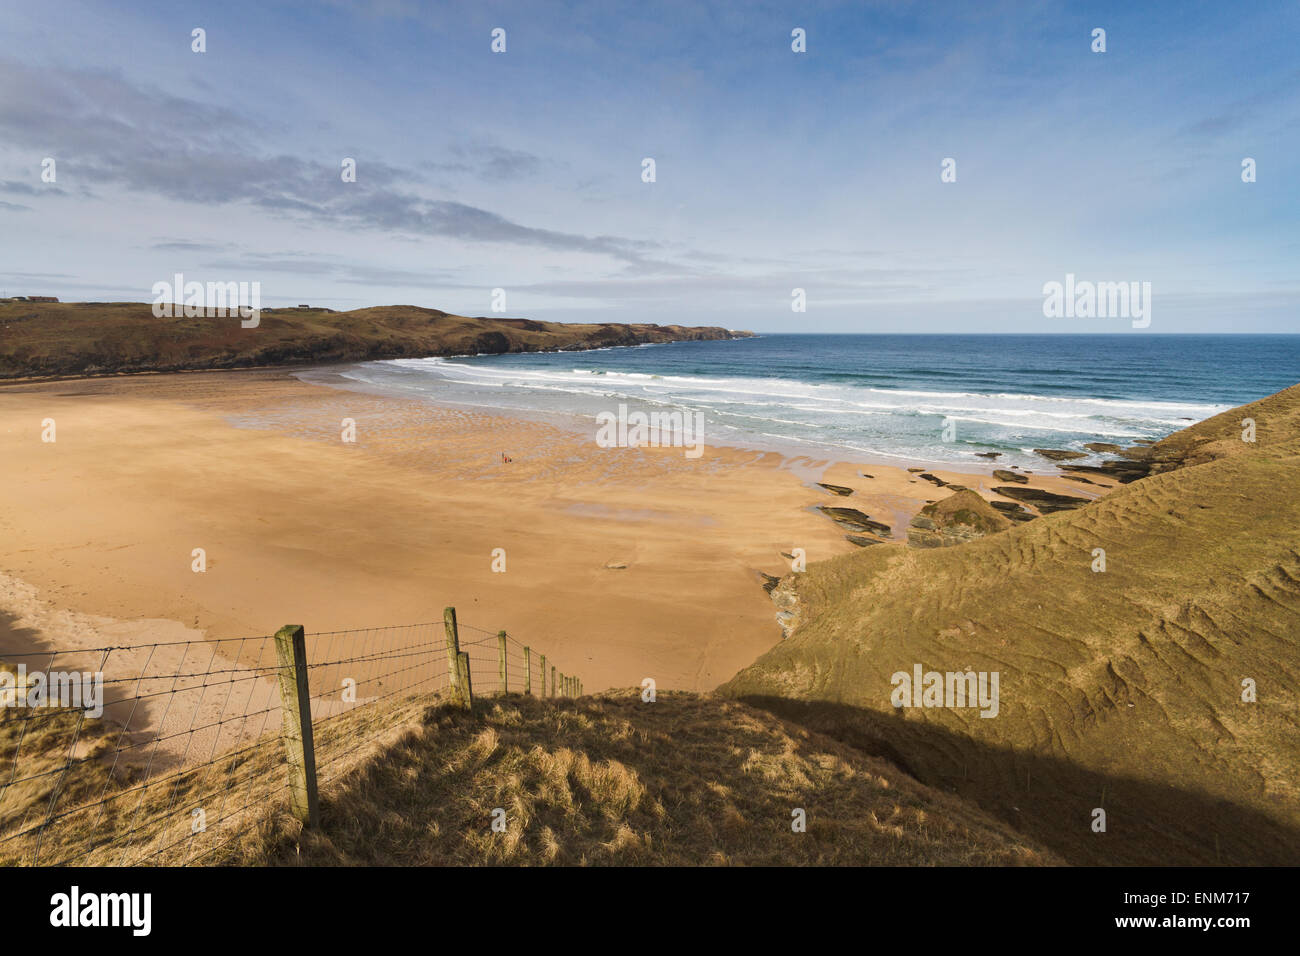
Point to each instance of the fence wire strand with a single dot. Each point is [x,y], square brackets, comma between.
[181,730]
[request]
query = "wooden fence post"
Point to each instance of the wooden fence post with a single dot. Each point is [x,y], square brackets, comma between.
[543,665]
[295,724]
[528,672]
[466,688]
[552,680]
[501,661]
[459,691]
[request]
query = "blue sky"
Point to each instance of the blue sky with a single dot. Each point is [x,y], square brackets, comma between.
[775,170]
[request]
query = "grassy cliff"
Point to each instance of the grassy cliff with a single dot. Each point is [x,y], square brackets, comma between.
[1120,689]
[91,338]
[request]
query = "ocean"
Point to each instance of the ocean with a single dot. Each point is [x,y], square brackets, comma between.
[938,399]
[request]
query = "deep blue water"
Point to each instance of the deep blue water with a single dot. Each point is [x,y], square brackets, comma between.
[886,396]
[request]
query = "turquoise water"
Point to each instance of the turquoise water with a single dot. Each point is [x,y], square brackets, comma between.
[883,397]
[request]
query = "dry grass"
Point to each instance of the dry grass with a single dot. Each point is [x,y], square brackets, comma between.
[68,795]
[610,780]
[604,780]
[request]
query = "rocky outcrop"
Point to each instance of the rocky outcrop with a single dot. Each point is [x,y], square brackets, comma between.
[1135,464]
[1013,511]
[840,490]
[1057,454]
[785,595]
[854,520]
[956,519]
[1002,474]
[1045,501]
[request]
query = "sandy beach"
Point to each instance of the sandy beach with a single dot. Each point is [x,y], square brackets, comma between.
[620,564]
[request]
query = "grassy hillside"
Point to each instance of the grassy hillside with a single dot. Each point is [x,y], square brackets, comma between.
[1119,689]
[87,338]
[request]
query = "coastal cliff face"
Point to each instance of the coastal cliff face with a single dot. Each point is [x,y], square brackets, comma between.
[1157,685]
[100,338]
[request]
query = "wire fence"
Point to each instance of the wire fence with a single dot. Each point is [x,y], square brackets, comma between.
[171,753]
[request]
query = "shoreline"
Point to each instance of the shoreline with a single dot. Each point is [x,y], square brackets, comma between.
[585,426]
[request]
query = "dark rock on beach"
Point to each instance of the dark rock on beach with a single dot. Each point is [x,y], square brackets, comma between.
[854,520]
[840,490]
[1057,454]
[1004,475]
[1013,511]
[1135,464]
[1045,501]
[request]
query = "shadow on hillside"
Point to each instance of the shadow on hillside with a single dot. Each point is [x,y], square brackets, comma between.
[1052,800]
[31,647]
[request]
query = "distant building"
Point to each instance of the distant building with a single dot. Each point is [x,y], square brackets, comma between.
[42,298]
[303,305]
